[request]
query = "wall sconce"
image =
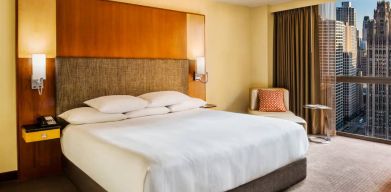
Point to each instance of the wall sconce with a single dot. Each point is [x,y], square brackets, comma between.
[39,72]
[201,75]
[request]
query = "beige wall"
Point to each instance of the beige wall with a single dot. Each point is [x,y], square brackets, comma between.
[262,47]
[228,54]
[8,156]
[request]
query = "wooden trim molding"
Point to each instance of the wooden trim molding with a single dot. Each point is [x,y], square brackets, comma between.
[7,176]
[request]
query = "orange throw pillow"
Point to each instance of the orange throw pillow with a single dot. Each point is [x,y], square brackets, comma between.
[271,100]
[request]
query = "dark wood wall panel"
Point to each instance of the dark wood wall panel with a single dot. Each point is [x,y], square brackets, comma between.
[39,158]
[99,28]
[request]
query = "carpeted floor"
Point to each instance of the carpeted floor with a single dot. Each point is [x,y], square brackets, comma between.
[345,165]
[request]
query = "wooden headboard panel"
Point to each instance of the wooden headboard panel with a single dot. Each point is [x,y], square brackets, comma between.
[80,79]
[101,28]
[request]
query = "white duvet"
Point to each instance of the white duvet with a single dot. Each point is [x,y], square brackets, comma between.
[193,151]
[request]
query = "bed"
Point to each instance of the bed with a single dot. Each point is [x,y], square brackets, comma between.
[196,150]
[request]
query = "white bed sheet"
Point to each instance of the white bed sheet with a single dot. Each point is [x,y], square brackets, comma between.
[194,151]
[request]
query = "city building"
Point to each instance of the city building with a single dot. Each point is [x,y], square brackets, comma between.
[379,63]
[350,100]
[339,39]
[349,94]
[362,59]
[362,49]
[365,28]
[347,13]
[362,66]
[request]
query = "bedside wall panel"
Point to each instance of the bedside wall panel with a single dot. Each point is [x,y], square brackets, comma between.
[39,158]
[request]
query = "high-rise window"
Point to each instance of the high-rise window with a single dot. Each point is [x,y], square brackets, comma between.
[363,68]
[330,39]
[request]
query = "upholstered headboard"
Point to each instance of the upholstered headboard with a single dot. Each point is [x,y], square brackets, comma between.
[80,79]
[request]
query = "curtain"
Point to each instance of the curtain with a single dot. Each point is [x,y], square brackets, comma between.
[296,61]
[327,38]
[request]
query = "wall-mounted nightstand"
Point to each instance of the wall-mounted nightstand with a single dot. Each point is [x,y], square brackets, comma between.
[208,106]
[34,133]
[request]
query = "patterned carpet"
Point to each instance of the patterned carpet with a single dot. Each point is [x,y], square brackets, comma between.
[347,165]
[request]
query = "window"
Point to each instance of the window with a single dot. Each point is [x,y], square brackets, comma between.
[363,82]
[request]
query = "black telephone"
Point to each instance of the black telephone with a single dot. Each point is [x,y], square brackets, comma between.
[46,121]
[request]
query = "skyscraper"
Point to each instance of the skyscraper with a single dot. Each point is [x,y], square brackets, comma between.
[379,65]
[347,13]
[330,54]
[362,63]
[350,69]
[339,39]
[362,59]
[365,28]
[350,101]
[363,54]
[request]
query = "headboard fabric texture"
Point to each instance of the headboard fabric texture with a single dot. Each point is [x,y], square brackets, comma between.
[81,79]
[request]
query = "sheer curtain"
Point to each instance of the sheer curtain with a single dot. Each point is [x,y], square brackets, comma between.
[327,38]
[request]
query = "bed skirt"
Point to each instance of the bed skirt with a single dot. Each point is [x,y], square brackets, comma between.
[278,180]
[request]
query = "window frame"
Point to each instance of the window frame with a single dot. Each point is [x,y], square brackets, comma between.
[364,80]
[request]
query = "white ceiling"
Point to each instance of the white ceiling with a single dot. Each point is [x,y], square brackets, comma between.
[254,3]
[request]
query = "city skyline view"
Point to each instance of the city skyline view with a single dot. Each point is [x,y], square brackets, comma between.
[363,8]
[363,108]
[363,49]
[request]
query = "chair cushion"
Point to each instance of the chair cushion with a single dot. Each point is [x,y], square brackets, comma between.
[271,100]
[288,115]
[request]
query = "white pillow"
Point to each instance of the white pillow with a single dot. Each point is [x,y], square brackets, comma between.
[187,105]
[117,103]
[164,98]
[85,115]
[147,112]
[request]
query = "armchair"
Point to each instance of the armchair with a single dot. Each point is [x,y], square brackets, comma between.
[288,115]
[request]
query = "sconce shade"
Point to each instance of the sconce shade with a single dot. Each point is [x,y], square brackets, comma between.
[39,66]
[200,66]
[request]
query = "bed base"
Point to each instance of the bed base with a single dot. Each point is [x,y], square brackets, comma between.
[277,180]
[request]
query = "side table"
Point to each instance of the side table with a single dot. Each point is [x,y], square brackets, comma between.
[320,139]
